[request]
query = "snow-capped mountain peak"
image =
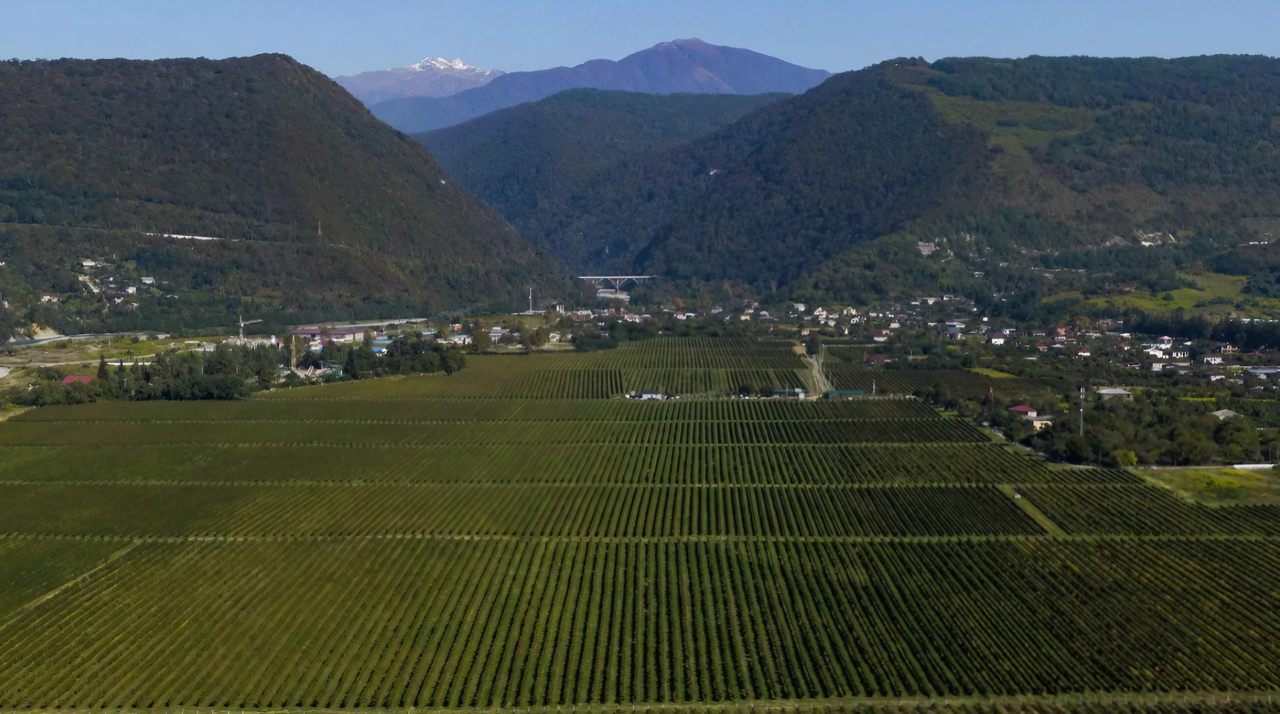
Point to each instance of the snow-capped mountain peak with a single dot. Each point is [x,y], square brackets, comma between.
[432,77]
[440,63]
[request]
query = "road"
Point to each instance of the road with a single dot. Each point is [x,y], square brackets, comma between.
[820,384]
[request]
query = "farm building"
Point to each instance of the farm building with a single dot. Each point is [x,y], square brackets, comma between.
[329,334]
[1039,422]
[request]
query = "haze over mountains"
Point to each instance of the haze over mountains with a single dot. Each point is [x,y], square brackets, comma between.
[432,77]
[688,66]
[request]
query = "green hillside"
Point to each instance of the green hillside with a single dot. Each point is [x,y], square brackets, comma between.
[292,174]
[528,161]
[1000,163]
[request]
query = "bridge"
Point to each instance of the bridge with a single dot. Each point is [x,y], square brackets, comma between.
[613,282]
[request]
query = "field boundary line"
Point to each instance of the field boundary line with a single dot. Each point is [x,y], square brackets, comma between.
[600,483]
[136,539]
[906,703]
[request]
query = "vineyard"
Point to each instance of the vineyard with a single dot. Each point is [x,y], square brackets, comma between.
[515,535]
[675,366]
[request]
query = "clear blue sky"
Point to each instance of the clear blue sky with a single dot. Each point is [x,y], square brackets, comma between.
[346,36]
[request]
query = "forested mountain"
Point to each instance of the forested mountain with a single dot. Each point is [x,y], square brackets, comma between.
[991,161]
[681,66]
[525,159]
[313,202]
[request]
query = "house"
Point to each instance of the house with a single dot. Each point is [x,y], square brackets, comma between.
[1215,377]
[146,280]
[1114,393]
[71,379]
[1038,422]
[1224,414]
[881,335]
[875,360]
[996,339]
[1227,349]
[1024,410]
[48,298]
[650,396]
[1213,359]
[792,392]
[1179,354]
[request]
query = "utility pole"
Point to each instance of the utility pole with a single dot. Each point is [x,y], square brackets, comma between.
[1082,411]
[531,300]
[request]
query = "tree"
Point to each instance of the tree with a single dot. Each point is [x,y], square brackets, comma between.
[1124,458]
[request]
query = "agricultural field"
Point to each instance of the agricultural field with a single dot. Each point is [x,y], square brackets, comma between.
[695,366]
[516,536]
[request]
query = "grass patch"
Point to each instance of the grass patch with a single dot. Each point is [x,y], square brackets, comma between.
[992,373]
[1015,124]
[1210,294]
[1220,486]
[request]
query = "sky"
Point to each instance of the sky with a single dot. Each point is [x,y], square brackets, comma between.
[348,36]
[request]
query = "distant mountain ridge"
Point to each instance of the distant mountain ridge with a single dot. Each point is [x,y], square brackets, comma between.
[680,66]
[432,77]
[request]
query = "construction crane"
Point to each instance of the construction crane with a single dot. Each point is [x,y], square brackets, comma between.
[242,322]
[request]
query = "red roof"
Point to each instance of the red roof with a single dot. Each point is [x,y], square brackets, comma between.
[1022,409]
[78,379]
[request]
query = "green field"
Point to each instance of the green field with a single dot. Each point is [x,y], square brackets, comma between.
[1208,293]
[512,536]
